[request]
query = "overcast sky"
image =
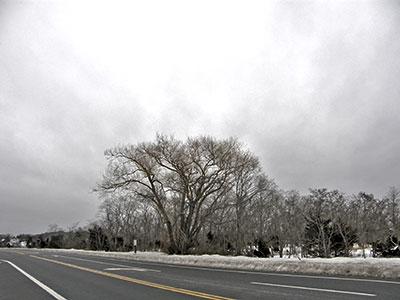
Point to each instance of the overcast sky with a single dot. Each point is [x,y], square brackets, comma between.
[312,88]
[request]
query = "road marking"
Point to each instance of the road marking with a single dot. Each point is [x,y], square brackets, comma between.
[313,289]
[42,285]
[18,252]
[108,264]
[14,251]
[254,272]
[126,269]
[137,281]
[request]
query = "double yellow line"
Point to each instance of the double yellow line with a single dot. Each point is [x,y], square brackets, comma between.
[137,281]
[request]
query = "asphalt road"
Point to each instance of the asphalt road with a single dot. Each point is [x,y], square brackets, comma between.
[32,274]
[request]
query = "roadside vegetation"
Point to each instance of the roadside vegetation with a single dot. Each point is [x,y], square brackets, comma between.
[210,196]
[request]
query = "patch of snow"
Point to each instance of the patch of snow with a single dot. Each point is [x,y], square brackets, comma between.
[349,266]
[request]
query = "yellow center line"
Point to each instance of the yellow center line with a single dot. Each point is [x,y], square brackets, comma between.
[15,251]
[137,281]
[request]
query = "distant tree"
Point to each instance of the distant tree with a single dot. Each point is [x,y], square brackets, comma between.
[42,243]
[54,228]
[248,183]
[97,239]
[393,211]
[293,219]
[320,221]
[261,211]
[262,249]
[120,217]
[76,237]
[366,224]
[4,240]
[56,241]
[29,241]
[277,230]
[345,234]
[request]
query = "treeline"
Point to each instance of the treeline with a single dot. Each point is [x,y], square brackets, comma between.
[321,224]
[77,238]
[205,195]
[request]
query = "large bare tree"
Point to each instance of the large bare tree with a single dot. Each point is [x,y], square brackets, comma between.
[184,181]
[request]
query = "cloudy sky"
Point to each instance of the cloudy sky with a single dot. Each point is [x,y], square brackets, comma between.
[312,88]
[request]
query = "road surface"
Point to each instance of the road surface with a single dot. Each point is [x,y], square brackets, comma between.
[33,274]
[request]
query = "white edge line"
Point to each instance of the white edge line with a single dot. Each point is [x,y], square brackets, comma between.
[43,286]
[313,289]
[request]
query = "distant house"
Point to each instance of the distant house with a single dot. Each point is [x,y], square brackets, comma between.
[358,250]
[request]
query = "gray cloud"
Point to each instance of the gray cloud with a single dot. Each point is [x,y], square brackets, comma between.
[310,87]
